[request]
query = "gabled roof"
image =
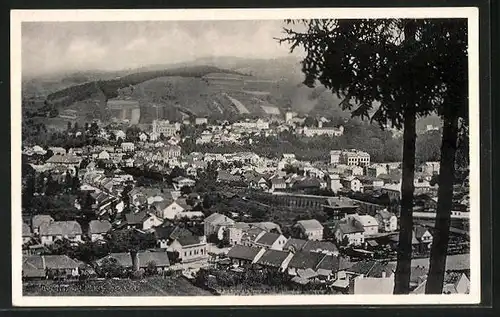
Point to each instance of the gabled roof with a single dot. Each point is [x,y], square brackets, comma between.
[320,246]
[305,260]
[218,218]
[311,224]
[136,218]
[372,268]
[328,263]
[268,238]
[243,252]
[189,240]
[60,228]
[37,220]
[99,226]
[295,244]
[273,258]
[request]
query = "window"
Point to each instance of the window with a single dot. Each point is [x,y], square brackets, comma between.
[185,253]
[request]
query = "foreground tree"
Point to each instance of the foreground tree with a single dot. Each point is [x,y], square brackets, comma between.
[448,40]
[387,68]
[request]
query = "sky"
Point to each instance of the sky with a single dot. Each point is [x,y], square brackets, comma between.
[51,47]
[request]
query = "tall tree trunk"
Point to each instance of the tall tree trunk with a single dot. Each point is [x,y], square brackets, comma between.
[439,246]
[402,278]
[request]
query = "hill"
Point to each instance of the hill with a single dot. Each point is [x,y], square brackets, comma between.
[217,87]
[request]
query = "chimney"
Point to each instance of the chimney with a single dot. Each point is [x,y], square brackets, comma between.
[383,274]
[135,260]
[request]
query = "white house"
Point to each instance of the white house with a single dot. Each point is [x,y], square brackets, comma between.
[349,231]
[214,222]
[104,155]
[310,229]
[387,221]
[351,183]
[128,147]
[369,223]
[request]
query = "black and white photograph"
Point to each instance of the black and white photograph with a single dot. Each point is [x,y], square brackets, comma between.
[245,157]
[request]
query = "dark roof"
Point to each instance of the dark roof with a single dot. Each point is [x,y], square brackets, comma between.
[188,240]
[62,228]
[329,263]
[243,252]
[350,226]
[319,246]
[135,218]
[158,258]
[420,231]
[372,268]
[273,258]
[305,260]
[171,232]
[295,244]
[307,183]
[268,238]
[99,226]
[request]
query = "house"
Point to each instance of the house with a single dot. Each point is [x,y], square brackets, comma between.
[275,259]
[244,255]
[38,220]
[369,223]
[302,260]
[376,169]
[139,260]
[169,210]
[387,221]
[128,147]
[429,168]
[371,277]
[143,137]
[58,230]
[141,220]
[103,155]
[424,236]
[43,266]
[325,247]
[165,235]
[200,121]
[351,183]
[27,234]
[278,183]
[333,182]
[214,222]
[267,225]
[180,182]
[349,231]
[190,248]
[270,240]
[310,229]
[98,229]
[294,245]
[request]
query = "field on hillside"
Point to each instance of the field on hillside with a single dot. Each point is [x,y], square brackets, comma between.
[154,286]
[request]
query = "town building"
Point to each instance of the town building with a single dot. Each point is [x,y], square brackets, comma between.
[128,147]
[58,230]
[310,229]
[190,248]
[165,127]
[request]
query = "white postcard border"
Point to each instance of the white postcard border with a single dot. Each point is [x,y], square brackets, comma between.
[19,16]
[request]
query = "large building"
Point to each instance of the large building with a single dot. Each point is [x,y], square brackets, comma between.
[125,110]
[310,132]
[349,157]
[165,127]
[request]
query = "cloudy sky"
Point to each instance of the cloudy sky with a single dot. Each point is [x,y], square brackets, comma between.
[49,47]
